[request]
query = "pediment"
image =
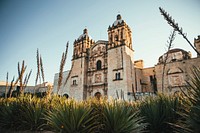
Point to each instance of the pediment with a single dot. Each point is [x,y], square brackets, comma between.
[174,70]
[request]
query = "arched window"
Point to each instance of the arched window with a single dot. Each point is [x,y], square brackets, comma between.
[66,95]
[116,38]
[98,65]
[121,34]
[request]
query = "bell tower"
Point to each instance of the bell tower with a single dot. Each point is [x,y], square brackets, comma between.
[120,59]
[77,79]
[119,34]
[81,45]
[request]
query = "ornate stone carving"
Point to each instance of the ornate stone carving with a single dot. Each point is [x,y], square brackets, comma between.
[176,80]
[98,78]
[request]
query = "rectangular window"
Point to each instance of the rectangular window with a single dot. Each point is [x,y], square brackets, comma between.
[74,82]
[151,78]
[117,76]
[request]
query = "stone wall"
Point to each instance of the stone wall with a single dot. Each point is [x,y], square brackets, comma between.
[97,70]
[175,75]
[55,84]
[120,60]
[148,80]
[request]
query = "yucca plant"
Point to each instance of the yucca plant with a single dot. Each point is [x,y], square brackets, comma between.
[160,113]
[190,111]
[120,118]
[71,117]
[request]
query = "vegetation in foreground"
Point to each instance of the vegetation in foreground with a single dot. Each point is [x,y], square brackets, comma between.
[157,114]
[161,113]
[58,114]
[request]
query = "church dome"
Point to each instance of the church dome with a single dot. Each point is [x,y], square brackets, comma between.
[84,35]
[174,55]
[118,21]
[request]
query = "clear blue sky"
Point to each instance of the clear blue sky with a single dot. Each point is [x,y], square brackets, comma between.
[26,25]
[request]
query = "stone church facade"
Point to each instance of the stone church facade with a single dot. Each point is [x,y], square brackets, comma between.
[107,68]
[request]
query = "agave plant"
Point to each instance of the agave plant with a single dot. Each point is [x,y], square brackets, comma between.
[190,122]
[71,117]
[7,120]
[160,113]
[31,112]
[120,118]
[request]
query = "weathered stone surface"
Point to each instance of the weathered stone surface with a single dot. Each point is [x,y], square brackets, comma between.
[108,67]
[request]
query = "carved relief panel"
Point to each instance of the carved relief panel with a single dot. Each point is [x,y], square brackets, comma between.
[175,77]
[98,78]
[97,63]
[175,80]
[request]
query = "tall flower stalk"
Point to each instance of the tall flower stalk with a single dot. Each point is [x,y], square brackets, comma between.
[172,23]
[40,70]
[27,79]
[169,46]
[6,85]
[12,87]
[62,64]
[21,74]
